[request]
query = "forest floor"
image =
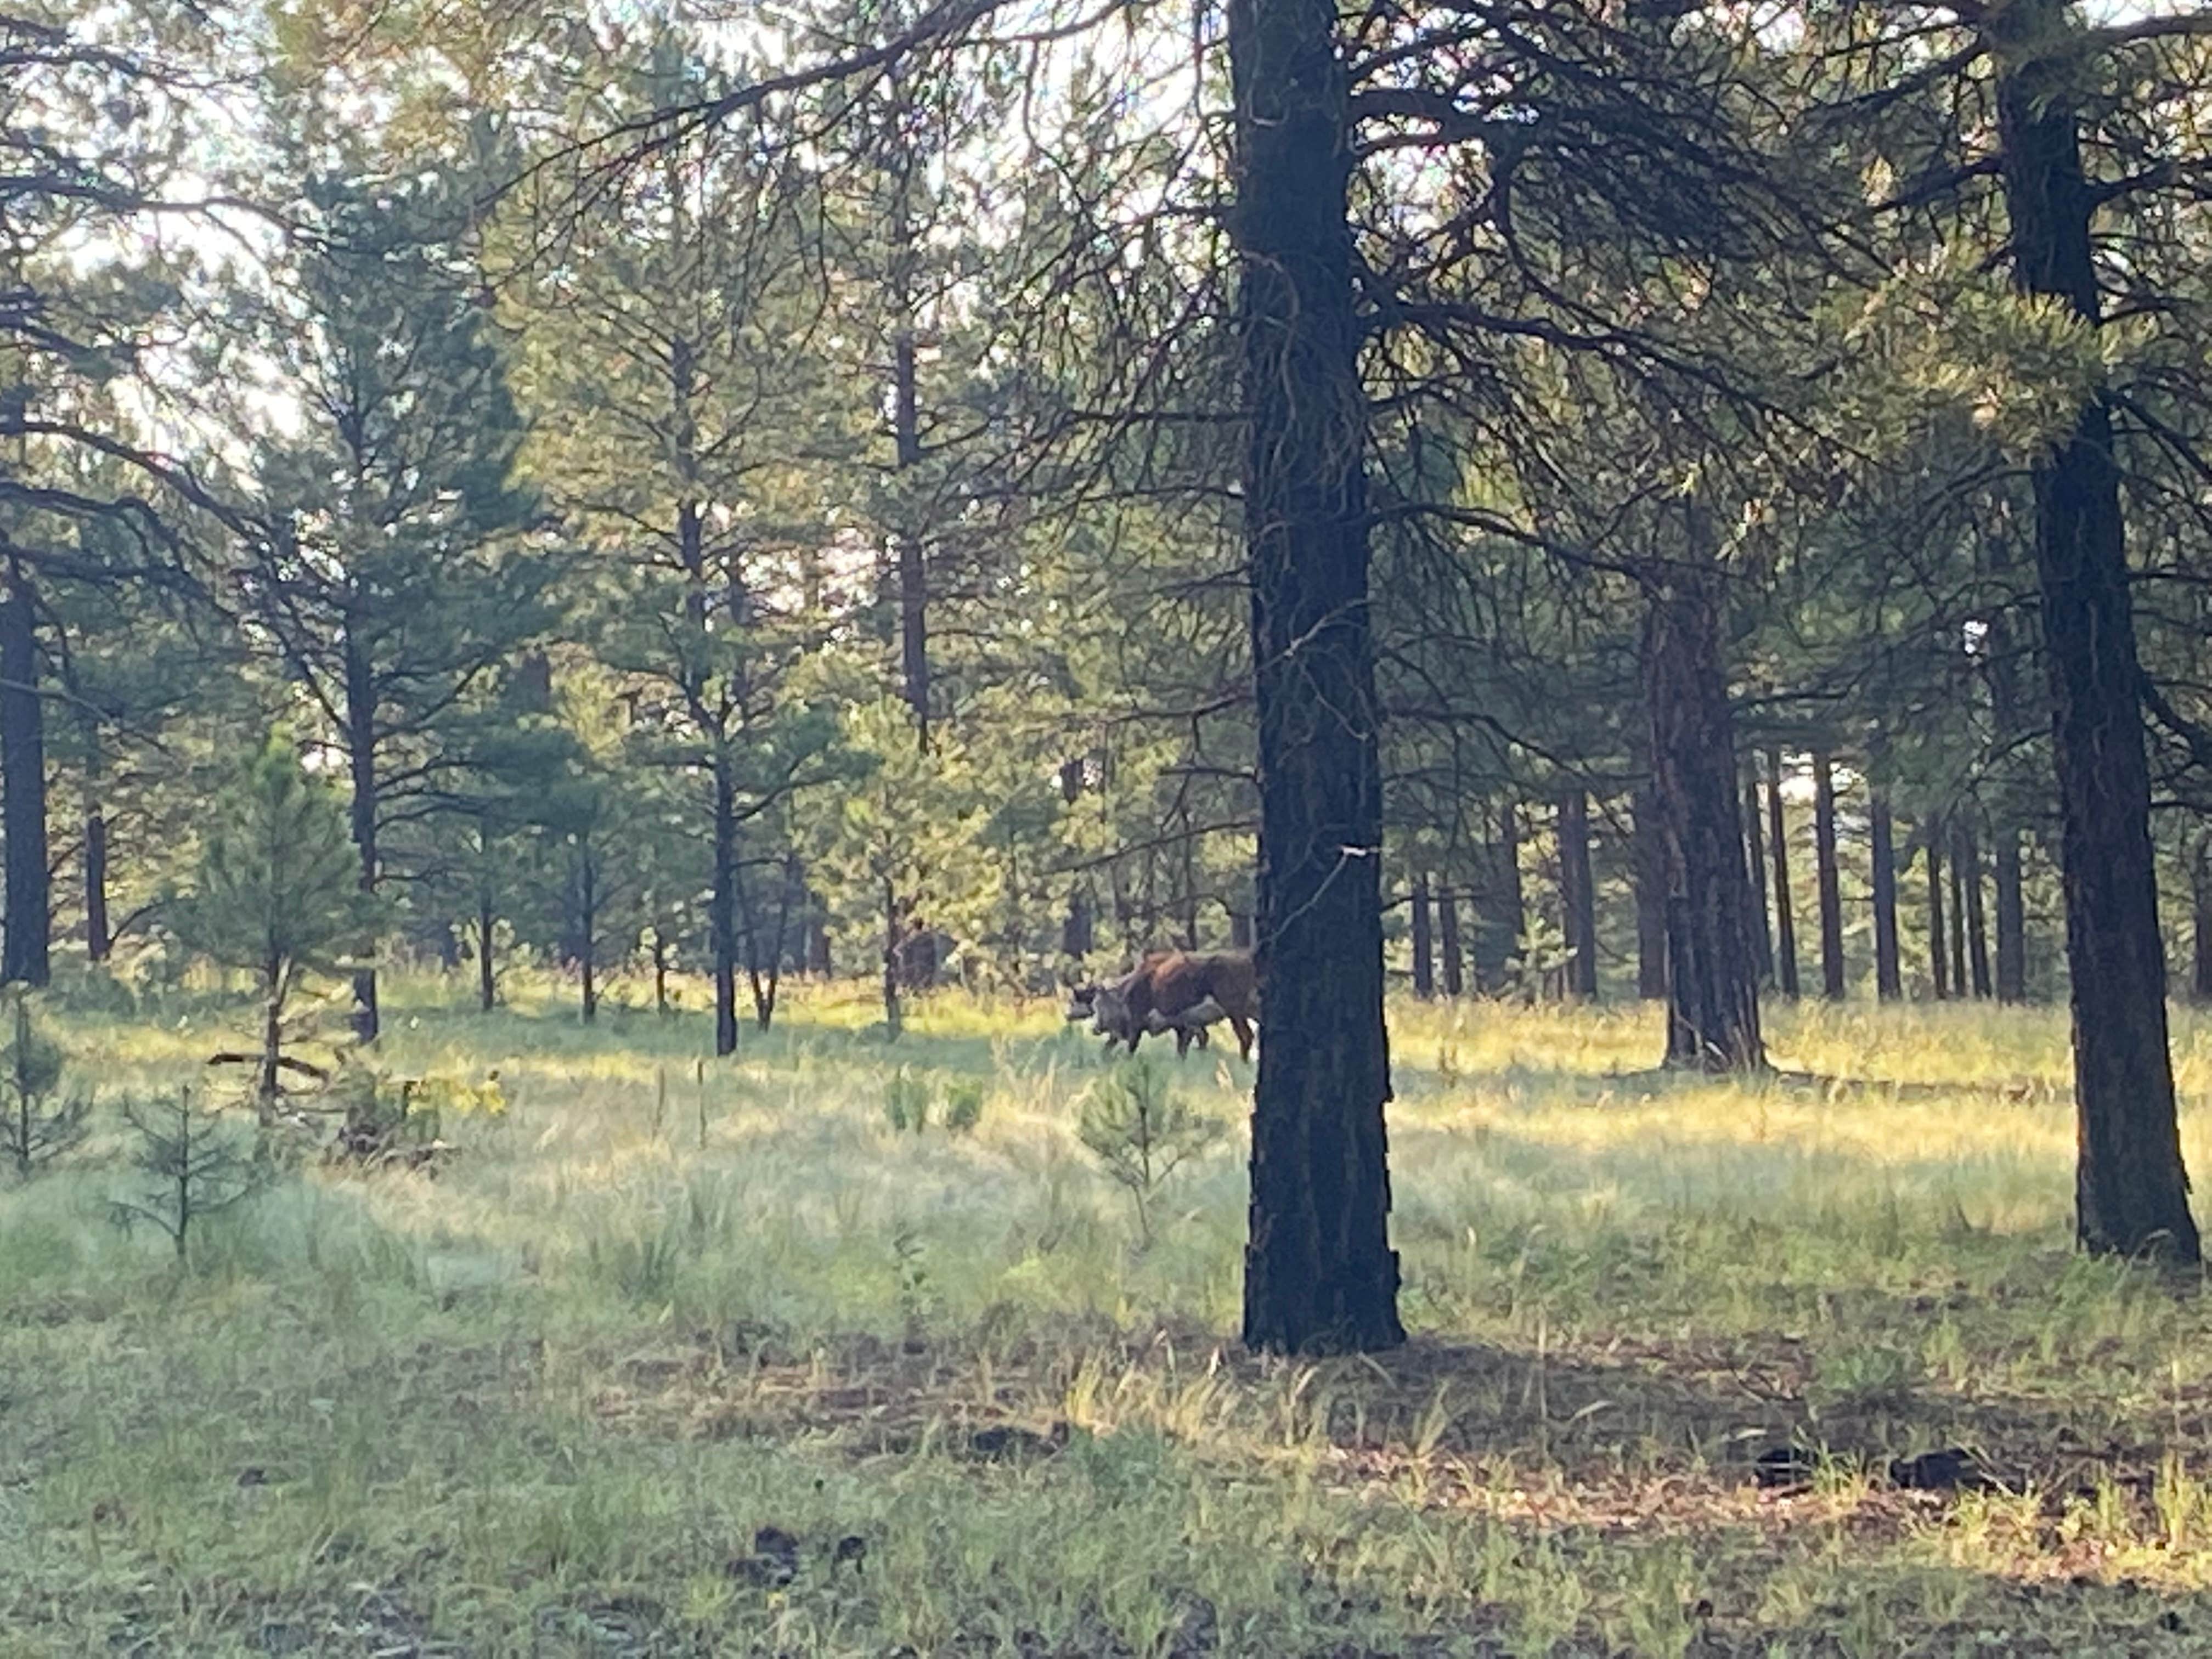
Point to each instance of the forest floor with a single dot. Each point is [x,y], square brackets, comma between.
[639,1365]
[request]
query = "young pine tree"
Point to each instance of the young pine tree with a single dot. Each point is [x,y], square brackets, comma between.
[277,893]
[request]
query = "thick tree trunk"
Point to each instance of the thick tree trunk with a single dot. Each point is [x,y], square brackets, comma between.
[1888,970]
[1425,951]
[2131,1191]
[1754,844]
[1076,931]
[1499,914]
[2011,919]
[1578,895]
[1712,1010]
[360,756]
[1939,971]
[26,943]
[1448,942]
[1785,914]
[722,907]
[1651,853]
[2200,923]
[1827,876]
[1320,1275]
[1967,861]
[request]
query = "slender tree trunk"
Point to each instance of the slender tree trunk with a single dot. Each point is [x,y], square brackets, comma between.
[1320,1275]
[1827,876]
[487,967]
[98,941]
[25,945]
[893,1020]
[764,996]
[1651,855]
[1888,970]
[588,928]
[1754,840]
[660,969]
[1939,971]
[906,436]
[2131,1191]
[1425,953]
[1967,861]
[1578,895]
[1785,914]
[2012,920]
[360,756]
[1712,1012]
[1958,922]
[722,906]
[1448,942]
[271,1084]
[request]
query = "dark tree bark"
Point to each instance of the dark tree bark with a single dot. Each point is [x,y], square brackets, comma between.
[2131,1191]
[1754,842]
[1320,1275]
[360,756]
[1578,895]
[1076,932]
[1785,914]
[722,907]
[1500,915]
[1650,854]
[1888,970]
[1939,970]
[1958,920]
[2200,923]
[487,969]
[661,970]
[767,981]
[1966,860]
[588,929]
[27,942]
[894,1019]
[98,938]
[1240,931]
[1712,1008]
[1425,952]
[2011,919]
[1448,942]
[906,437]
[1827,876]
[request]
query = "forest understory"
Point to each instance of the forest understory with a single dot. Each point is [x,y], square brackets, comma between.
[672,1358]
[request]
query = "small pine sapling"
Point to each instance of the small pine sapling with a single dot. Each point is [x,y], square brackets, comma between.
[1136,1125]
[197,1169]
[278,894]
[964,1105]
[39,1127]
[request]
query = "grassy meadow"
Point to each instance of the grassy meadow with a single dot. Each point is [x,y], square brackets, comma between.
[651,1366]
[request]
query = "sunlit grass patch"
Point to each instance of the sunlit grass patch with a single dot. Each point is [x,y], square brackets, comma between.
[543,1400]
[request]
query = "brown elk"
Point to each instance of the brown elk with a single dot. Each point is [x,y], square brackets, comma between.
[1179,991]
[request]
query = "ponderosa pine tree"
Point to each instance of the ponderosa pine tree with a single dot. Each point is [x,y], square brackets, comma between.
[397,569]
[1320,1275]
